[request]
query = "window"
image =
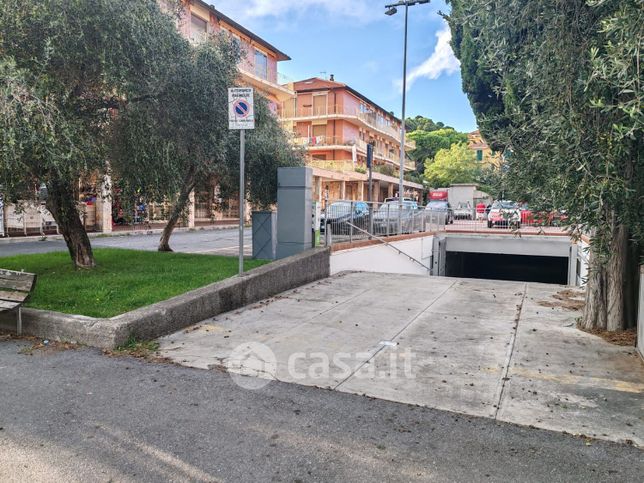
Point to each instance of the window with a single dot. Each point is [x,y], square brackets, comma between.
[261,65]
[319,130]
[479,155]
[198,29]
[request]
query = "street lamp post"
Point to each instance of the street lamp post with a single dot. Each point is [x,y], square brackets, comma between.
[392,10]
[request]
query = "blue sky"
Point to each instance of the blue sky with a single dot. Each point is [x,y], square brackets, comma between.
[362,47]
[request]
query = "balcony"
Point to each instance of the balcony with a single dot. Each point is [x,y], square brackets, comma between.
[330,142]
[319,143]
[369,119]
[264,77]
[348,171]
[340,166]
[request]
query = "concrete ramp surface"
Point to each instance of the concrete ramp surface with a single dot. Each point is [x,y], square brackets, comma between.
[503,350]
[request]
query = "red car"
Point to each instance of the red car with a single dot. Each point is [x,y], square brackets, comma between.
[542,218]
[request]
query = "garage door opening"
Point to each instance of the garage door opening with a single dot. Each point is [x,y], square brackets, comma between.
[507,267]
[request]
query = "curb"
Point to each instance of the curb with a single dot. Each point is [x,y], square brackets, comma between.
[178,312]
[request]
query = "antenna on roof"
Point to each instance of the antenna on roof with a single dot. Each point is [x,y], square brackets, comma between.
[323,74]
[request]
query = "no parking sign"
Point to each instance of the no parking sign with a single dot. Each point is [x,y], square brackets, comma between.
[241,111]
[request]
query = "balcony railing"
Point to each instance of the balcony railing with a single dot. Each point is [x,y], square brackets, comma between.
[348,166]
[313,141]
[372,119]
[329,141]
[341,166]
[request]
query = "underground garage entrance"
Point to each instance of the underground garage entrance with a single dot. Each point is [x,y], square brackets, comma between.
[544,259]
[498,266]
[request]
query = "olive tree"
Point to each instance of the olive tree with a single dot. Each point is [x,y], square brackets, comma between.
[165,146]
[558,85]
[69,66]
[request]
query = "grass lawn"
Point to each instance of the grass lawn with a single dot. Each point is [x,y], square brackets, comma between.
[122,281]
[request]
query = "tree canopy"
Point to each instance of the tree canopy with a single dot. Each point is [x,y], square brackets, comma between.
[457,164]
[558,83]
[421,123]
[428,143]
[164,148]
[78,61]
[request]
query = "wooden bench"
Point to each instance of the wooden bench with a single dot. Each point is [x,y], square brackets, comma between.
[15,288]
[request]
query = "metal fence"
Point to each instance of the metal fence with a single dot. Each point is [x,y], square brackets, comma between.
[521,221]
[348,221]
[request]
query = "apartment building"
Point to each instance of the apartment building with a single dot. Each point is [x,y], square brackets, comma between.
[334,123]
[258,67]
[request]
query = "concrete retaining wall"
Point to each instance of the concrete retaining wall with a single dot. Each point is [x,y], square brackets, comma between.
[381,258]
[178,312]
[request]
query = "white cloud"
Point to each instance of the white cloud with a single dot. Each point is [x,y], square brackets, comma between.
[362,11]
[441,61]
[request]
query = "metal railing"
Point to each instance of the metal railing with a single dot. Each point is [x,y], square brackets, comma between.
[327,141]
[348,221]
[520,221]
[372,119]
[338,165]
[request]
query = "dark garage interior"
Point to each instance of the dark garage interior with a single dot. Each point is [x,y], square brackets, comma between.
[507,267]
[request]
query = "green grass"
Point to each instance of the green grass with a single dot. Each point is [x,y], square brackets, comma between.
[123,280]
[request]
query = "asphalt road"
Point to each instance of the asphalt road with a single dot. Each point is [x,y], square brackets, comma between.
[79,415]
[220,242]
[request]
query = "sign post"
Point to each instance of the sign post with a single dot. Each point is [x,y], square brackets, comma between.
[1,215]
[241,115]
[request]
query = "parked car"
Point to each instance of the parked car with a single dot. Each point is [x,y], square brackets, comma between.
[385,218]
[441,207]
[542,218]
[340,215]
[527,216]
[463,211]
[504,213]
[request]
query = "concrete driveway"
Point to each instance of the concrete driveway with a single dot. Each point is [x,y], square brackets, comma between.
[502,350]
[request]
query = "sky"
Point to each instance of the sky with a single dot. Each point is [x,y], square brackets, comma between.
[362,47]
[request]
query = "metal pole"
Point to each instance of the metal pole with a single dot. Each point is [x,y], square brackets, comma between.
[401,188]
[242,196]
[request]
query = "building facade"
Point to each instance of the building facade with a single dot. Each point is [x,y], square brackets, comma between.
[484,153]
[333,123]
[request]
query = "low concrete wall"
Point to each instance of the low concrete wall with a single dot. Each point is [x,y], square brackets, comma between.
[178,312]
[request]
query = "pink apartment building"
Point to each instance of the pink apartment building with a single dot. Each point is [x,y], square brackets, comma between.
[334,123]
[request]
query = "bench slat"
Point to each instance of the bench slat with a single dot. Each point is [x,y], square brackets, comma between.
[13,274]
[13,296]
[22,281]
[8,305]
[24,285]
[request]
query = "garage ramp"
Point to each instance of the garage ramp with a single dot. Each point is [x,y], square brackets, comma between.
[496,349]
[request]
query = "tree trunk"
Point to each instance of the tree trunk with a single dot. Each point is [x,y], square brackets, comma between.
[594,316]
[608,283]
[61,203]
[177,209]
[616,278]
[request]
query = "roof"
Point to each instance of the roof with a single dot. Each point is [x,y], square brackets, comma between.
[280,55]
[333,85]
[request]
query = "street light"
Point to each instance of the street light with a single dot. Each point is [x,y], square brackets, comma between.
[392,10]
